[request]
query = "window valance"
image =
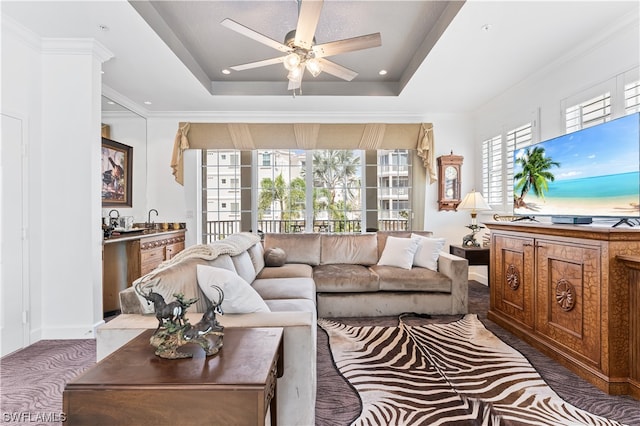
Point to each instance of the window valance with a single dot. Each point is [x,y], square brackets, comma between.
[249,136]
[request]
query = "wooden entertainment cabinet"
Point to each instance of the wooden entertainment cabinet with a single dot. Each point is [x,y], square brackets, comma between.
[563,290]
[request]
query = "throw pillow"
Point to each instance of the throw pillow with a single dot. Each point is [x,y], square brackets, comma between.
[398,252]
[239,296]
[274,256]
[428,251]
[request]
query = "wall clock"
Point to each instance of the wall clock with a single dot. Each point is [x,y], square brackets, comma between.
[449,175]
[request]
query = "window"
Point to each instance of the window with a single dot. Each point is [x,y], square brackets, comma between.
[320,190]
[492,170]
[219,167]
[497,178]
[517,139]
[632,97]
[266,159]
[394,189]
[588,113]
[281,191]
[337,190]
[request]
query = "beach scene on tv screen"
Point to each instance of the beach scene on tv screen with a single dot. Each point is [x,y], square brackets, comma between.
[594,172]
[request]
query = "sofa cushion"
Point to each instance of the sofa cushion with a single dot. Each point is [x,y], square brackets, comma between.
[244,266]
[288,270]
[239,296]
[342,278]
[292,305]
[275,257]
[428,251]
[300,248]
[399,252]
[357,249]
[256,253]
[414,279]
[285,288]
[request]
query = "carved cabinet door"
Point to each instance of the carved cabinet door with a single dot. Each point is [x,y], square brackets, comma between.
[568,297]
[513,278]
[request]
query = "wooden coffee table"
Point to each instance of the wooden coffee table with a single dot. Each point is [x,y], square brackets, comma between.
[133,386]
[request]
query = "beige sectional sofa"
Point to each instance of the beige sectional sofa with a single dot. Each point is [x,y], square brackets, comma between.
[350,283]
[339,272]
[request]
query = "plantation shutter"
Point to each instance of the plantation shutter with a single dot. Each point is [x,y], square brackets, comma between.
[589,113]
[518,138]
[632,97]
[492,168]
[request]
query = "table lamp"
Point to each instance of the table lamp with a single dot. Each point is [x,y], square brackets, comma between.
[475,202]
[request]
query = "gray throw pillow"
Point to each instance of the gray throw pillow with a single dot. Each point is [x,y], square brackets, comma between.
[274,256]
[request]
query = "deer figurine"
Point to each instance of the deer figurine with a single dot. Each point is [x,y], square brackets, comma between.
[172,312]
[208,323]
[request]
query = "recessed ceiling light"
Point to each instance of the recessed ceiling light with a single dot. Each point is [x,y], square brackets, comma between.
[382,72]
[111,102]
[486,28]
[147,102]
[226,71]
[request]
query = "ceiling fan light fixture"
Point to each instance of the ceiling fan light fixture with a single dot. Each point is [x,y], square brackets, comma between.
[292,61]
[313,66]
[295,74]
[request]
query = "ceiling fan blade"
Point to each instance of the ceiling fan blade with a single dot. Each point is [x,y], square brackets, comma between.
[258,64]
[307,23]
[337,70]
[347,45]
[248,32]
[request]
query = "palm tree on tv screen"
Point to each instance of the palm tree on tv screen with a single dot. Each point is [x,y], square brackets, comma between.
[535,174]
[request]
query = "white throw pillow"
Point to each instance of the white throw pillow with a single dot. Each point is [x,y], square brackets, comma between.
[239,296]
[398,252]
[428,251]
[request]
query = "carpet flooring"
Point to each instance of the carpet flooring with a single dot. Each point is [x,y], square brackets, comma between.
[338,403]
[32,379]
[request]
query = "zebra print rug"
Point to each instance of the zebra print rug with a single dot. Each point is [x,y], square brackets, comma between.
[444,374]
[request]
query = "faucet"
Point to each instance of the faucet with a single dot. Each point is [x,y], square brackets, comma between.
[149,216]
[113,221]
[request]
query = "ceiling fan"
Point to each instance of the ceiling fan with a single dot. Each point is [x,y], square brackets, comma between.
[300,48]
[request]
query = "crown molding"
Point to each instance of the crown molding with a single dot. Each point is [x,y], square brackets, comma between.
[290,116]
[76,46]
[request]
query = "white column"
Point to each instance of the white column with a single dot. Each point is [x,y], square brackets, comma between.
[71,202]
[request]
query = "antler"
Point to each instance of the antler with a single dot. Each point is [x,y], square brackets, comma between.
[140,286]
[220,296]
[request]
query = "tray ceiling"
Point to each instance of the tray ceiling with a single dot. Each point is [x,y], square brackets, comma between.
[192,30]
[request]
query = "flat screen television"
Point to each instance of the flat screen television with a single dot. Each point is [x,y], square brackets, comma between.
[593,172]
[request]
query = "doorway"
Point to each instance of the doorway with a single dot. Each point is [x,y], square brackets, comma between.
[13,233]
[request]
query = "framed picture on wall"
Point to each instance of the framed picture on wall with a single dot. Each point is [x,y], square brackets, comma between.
[117,159]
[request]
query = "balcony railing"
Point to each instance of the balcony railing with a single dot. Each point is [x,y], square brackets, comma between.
[220,229]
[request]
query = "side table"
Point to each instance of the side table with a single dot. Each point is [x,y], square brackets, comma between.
[475,256]
[133,386]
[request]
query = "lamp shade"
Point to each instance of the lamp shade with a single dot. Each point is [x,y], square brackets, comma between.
[474,201]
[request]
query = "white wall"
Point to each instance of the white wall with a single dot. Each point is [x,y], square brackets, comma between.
[55,85]
[591,66]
